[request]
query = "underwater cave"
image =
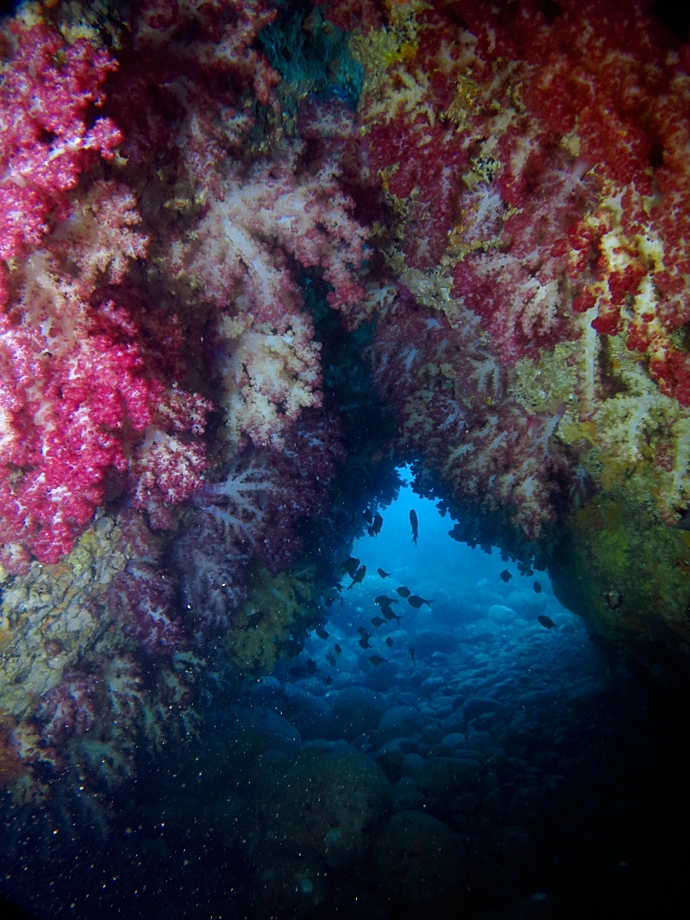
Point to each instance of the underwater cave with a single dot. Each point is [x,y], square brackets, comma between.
[344,451]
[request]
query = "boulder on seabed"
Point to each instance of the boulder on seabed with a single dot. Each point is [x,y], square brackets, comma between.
[326,805]
[308,713]
[443,775]
[499,613]
[418,858]
[398,722]
[288,886]
[355,711]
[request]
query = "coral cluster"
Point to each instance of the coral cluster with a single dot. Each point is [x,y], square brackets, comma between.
[189,225]
[543,156]
[78,392]
[264,626]
[85,671]
[534,166]
[249,514]
[155,228]
[529,179]
[449,391]
[45,91]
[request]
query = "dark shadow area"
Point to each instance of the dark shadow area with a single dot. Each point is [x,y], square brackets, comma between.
[448,741]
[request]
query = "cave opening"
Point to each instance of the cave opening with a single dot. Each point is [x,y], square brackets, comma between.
[471,591]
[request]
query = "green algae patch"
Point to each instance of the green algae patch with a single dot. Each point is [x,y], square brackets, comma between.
[627,573]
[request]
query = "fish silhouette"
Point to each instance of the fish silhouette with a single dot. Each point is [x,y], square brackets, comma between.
[414,523]
[416,601]
[384,601]
[351,566]
[375,528]
[358,576]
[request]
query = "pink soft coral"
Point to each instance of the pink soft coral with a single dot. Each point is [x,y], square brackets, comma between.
[74,395]
[45,144]
[251,512]
[257,225]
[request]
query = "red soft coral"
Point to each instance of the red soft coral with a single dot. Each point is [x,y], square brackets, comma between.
[45,142]
[569,132]
[74,394]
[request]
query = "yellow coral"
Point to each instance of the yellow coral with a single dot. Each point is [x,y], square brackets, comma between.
[266,621]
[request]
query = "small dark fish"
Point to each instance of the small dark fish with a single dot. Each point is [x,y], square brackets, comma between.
[414,523]
[362,631]
[416,601]
[382,573]
[389,615]
[376,660]
[403,592]
[368,517]
[364,641]
[375,528]
[377,621]
[254,619]
[337,650]
[311,666]
[351,566]
[389,642]
[321,632]
[358,576]
[505,575]
[411,651]
[384,601]
[546,622]
[537,587]
[331,659]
